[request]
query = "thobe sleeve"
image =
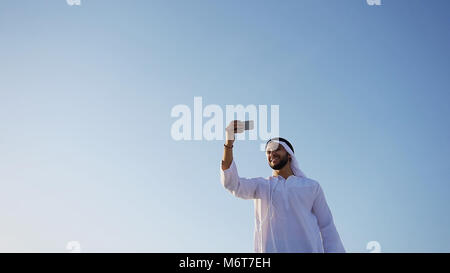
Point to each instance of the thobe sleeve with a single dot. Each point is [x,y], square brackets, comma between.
[245,188]
[330,237]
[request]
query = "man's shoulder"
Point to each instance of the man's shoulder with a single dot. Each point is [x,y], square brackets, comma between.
[307,181]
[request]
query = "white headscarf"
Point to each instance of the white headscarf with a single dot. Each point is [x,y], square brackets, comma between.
[294,163]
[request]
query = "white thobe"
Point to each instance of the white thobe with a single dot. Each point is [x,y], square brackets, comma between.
[299,219]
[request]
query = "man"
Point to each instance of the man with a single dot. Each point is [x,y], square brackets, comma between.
[291,212]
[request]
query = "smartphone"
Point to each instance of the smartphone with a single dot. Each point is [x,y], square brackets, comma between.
[249,125]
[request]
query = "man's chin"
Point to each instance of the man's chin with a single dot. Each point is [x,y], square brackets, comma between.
[274,167]
[279,166]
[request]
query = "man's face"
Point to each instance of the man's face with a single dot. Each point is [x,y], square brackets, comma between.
[277,156]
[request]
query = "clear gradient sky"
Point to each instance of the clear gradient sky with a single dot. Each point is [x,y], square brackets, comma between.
[86,93]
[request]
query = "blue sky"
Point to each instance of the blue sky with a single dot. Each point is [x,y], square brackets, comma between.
[86,94]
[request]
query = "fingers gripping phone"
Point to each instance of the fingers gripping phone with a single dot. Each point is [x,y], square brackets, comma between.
[240,126]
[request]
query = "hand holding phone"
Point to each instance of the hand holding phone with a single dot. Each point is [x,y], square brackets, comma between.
[237,126]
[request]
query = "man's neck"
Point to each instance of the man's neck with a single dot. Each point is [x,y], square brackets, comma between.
[285,172]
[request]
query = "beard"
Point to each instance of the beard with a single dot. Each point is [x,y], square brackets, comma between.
[281,164]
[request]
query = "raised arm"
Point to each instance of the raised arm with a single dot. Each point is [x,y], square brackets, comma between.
[234,127]
[245,188]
